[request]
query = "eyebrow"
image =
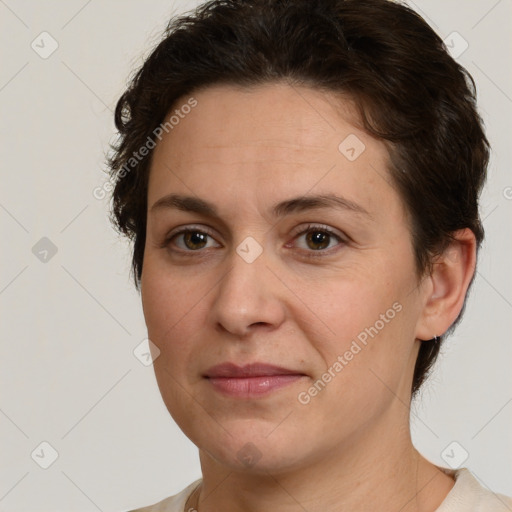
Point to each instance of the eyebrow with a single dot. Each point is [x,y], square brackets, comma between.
[294,205]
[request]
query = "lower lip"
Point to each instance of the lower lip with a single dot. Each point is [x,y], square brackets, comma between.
[246,387]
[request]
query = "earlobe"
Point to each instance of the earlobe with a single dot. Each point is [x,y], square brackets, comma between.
[452,272]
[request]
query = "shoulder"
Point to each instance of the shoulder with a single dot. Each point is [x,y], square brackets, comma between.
[174,503]
[468,495]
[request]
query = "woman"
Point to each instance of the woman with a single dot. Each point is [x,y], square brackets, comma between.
[301,180]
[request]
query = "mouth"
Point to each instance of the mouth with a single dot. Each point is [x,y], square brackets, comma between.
[251,380]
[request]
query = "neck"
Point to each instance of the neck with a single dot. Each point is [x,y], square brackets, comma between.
[377,469]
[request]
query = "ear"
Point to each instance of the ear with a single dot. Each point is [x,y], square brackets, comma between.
[446,287]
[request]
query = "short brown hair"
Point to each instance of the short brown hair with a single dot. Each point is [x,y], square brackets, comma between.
[410,93]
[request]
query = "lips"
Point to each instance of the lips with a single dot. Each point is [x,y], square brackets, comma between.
[230,370]
[251,380]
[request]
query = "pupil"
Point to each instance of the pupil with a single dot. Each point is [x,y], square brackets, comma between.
[318,240]
[195,240]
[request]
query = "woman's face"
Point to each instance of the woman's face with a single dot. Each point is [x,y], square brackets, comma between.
[286,314]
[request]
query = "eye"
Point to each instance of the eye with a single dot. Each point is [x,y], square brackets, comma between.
[191,239]
[317,238]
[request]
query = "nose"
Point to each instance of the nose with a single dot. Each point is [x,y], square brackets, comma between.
[248,298]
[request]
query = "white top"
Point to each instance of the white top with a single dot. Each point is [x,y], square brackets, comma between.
[467,495]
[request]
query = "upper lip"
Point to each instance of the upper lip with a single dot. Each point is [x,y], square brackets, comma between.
[232,370]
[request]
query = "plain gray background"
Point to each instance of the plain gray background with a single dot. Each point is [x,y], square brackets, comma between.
[71,319]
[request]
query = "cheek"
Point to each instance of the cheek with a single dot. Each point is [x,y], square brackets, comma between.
[369,322]
[360,311]
[347,303]
[171,305]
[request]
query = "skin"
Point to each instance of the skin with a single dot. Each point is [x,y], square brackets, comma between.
[349,447]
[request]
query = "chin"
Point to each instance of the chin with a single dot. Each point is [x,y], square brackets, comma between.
[251,448]
[247,456]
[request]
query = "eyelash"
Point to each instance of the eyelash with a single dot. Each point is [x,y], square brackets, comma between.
[305,252]
[321,252]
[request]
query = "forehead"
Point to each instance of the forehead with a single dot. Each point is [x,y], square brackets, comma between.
[269,141]
[281,118]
